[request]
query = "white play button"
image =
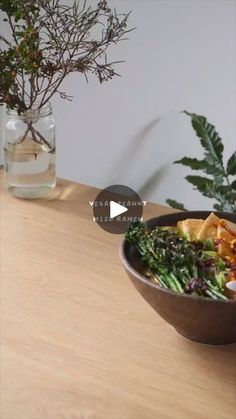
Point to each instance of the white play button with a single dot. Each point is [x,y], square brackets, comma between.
[116,209]
[110,205]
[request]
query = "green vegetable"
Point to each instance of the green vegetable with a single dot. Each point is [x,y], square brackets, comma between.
[220,278]
[177,264]
[209,244]
[211,253]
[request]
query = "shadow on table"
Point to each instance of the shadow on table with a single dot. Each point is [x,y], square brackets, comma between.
[69,197]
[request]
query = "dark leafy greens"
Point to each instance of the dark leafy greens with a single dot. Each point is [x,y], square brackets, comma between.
[175,263]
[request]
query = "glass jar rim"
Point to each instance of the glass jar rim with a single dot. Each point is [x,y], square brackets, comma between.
[33,112]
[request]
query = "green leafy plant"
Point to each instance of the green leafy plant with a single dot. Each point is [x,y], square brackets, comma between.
[220,182]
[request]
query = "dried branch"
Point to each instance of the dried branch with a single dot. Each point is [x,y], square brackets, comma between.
[51,40]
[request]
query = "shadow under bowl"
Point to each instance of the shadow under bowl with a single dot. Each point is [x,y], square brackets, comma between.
[200,319]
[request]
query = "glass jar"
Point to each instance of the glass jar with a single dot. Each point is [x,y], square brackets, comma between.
[29,151]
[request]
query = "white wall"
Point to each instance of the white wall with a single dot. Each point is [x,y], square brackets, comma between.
[181,56]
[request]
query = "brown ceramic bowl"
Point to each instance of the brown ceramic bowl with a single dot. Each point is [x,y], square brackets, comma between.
[197,318]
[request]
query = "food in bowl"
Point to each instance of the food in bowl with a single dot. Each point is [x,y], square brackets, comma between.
[196,256]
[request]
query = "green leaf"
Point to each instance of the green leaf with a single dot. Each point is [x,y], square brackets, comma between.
[218,207]
[202,184]
[233,185]
[209,138]
[18,15]
[174,204]
[19,33]
[225,195]
[194,164]
[231,165]
[224,190]
[228,206]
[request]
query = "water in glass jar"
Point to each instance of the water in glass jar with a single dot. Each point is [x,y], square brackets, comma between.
[29,169]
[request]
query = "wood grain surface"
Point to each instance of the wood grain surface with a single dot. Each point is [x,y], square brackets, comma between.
[78,341]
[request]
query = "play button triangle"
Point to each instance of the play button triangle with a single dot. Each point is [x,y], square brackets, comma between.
[116,209]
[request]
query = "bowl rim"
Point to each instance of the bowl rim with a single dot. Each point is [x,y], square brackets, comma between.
[142,278]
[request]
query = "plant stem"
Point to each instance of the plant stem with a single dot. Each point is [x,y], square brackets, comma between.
[42,139]
[35,133]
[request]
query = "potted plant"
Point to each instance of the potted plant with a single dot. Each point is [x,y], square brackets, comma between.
[48,40]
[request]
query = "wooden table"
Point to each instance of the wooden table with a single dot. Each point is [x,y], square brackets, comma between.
[78,341]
